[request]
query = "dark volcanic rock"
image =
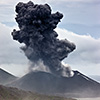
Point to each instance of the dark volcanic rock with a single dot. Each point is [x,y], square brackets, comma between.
[77,86]
[6,77]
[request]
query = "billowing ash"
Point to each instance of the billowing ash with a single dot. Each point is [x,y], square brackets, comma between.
[36,30]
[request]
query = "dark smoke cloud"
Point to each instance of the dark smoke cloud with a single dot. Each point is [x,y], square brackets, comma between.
[37,24]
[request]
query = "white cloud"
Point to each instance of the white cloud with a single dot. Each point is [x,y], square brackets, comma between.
[11,57]
[86,57]
[15,69]
[7,44]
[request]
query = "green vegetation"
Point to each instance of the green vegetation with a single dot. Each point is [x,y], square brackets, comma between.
[9,93]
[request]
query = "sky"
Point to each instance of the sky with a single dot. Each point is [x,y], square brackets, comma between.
[80,25]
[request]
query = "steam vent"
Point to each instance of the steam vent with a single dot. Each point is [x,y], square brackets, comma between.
[36,30]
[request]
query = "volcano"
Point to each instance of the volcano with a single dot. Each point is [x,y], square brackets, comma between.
[37,25]
[46,83]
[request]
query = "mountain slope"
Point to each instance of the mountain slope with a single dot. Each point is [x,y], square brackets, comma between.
[77,86]
[95,77]
[6,77]
[8,93]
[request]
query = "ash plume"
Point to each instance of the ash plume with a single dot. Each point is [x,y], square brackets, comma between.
[36,30]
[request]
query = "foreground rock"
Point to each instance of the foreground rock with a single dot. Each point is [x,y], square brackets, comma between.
[8,93]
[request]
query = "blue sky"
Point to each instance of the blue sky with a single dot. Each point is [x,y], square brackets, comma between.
[80,25]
